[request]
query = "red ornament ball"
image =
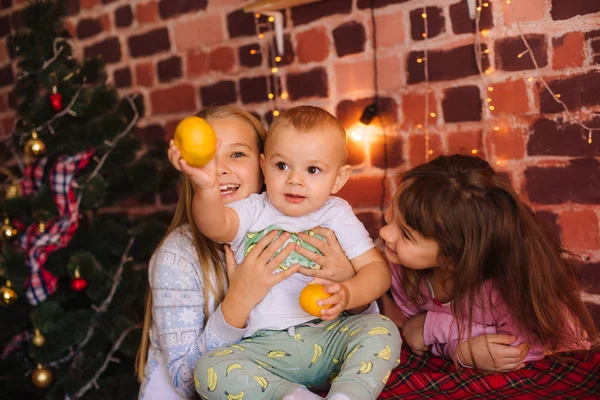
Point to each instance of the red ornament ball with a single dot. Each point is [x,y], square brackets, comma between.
[78,284]
[56,102]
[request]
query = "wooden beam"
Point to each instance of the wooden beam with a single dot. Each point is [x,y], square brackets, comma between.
[274,5]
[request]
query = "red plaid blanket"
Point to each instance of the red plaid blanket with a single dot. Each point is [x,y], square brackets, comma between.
[574,376]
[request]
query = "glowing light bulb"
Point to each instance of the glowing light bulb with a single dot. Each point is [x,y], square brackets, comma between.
[277,59]
[424,15]
[276,113]
[271,95]
[274,70]
[474,151]
[271,19]
[261,35]
[496,128]
[284,95]
[490,88]
[252,51]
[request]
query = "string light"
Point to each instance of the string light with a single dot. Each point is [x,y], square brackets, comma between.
[428,151]
[273,89]
[521,54]
[555,96]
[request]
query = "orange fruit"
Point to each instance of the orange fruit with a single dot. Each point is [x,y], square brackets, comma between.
[196,140]
[309,297]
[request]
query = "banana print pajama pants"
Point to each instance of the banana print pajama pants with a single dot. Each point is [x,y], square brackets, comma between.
[353,355]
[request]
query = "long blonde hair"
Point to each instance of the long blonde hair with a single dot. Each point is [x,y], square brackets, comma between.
[210,262]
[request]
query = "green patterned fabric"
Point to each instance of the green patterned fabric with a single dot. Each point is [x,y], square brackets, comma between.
[294,258]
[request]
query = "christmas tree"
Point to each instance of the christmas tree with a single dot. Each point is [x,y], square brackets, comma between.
[72,274]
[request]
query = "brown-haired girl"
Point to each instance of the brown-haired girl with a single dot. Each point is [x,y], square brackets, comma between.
[469,258]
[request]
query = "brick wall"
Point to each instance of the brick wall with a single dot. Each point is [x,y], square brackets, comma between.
[184,54]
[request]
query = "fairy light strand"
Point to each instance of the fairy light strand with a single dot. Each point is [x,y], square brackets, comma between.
[426,74]
[555,96]
[273,89]
[486,96]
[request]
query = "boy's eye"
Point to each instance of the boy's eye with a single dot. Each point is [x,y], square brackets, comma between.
[281,166]
[405,235]
[313,170]
[238,154]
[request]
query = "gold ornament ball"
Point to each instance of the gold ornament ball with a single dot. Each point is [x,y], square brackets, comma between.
[34,146]
[38,339]
[13,191]
[8,294]
[8,231]
[42,377]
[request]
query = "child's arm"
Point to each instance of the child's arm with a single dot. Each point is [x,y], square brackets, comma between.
[212,218]
[372,279]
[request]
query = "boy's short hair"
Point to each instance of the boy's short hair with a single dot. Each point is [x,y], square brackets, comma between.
[306,119]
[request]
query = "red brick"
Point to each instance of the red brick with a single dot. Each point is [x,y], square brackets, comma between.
[197,63]
[69,26]
[206,29]
[85,4]
[575,180]
[417,148]
[181,98]
[147,12]
[390,29]
[508,97]
[465,142]
[354,77]
[389,72]
[580,230]
[530,10]
[558,138]
[363,190]
[349,38]
[372,222]
[313,45]
[105,22]
[568,50]
[144,74]
[170,128]
[508,49]
[509,143]
[3,105]
[221,59]
[394,152]
[413,108]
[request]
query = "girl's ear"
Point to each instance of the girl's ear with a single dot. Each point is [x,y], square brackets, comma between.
[342,177]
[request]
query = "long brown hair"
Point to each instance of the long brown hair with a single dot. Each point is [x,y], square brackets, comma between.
[487,234]
[210,262]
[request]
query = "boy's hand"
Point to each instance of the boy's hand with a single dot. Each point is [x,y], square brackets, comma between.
[202,178]
[339,299]
[500,357]
[335,266]
[412,331]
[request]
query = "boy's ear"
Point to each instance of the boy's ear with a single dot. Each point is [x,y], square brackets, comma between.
[341,178]
[262,162]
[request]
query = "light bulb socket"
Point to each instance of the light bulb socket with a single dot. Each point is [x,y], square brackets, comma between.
[368,114]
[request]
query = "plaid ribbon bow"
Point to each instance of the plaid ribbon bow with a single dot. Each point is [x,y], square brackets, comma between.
[57,233]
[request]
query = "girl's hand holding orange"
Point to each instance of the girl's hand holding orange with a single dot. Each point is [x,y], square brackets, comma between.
[192,151]
[331,306]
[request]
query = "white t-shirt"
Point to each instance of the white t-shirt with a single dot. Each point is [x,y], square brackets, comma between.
[280,308]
